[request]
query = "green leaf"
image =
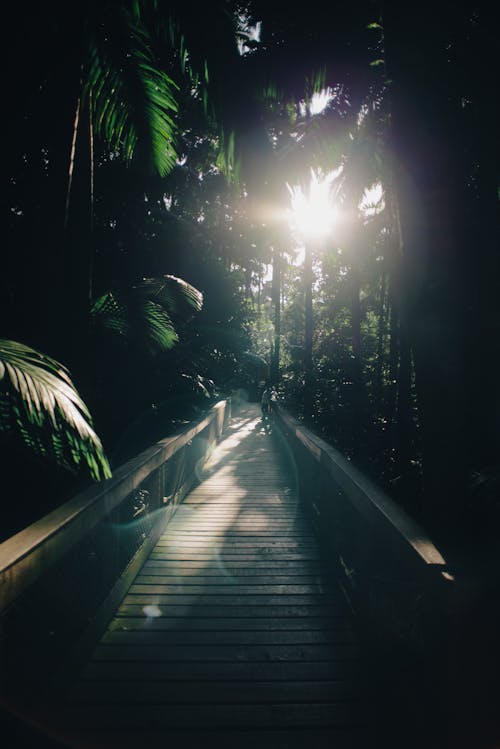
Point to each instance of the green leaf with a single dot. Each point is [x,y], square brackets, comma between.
[159,327]
[133,98]
[41,404]
[142,314]
[173,293]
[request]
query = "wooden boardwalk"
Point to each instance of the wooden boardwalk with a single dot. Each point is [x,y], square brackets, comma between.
[232,634]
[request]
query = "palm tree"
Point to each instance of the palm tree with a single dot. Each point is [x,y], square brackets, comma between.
[39,403]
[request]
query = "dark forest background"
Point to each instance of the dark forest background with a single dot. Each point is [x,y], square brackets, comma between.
[149,140]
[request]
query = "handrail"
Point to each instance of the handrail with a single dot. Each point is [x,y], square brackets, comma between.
[378,509]
[394,576]
[25,556]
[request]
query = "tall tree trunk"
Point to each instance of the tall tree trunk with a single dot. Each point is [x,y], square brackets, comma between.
[276,294]
[308,335]
[357,372]
[381,337]
[430,181]
[248,284]
[78,242]
[404,430]
[393,367]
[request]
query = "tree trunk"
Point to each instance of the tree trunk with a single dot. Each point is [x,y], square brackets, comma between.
[276,293]
[393,361]
[381,336]
[430,182]
[308,335]
[357,362]
[78,245]
[404,429]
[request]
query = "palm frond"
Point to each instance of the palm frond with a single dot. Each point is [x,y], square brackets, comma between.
[174,294]
[110,313]
[40,404]
[142,314]
[134,99]
[159,329]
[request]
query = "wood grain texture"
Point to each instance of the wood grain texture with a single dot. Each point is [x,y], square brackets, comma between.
[232,626]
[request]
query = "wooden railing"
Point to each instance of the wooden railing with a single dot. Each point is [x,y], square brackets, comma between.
[428,619]
[395,577]
[61,577]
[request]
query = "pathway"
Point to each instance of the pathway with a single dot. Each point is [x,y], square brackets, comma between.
[232,634]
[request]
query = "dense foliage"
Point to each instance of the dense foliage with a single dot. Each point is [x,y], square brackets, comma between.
[149,234]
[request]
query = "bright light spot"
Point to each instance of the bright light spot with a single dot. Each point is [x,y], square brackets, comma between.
[362,114]
[321,100]
[167,201]
[372,202]
[247,32]
[152,611]
[314,214]
[300,256]
[268,273]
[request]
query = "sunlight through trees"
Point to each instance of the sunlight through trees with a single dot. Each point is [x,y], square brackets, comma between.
[177,138]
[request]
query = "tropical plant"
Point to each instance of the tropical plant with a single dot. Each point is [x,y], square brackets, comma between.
[39,403]
[133,98]
[143,313]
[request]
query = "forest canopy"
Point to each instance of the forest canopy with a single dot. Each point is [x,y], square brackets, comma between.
[188,184]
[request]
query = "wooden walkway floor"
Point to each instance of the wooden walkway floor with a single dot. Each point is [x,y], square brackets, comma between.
[232,634]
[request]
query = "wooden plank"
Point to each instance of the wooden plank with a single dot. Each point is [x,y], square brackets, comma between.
[228,671]
[234,544]
[269,715]
[234,557]
[237,568]
[241,534]
[225,499]
[189,737]
[239,527]
[253,624]
[161,589]
[230,599]
[266,546]
[188,579]
[274,515]
[148,636]
[194,610]
[239,653]
[179,693]
[250,533]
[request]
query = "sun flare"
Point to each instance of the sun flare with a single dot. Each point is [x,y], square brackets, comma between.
[314,213]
